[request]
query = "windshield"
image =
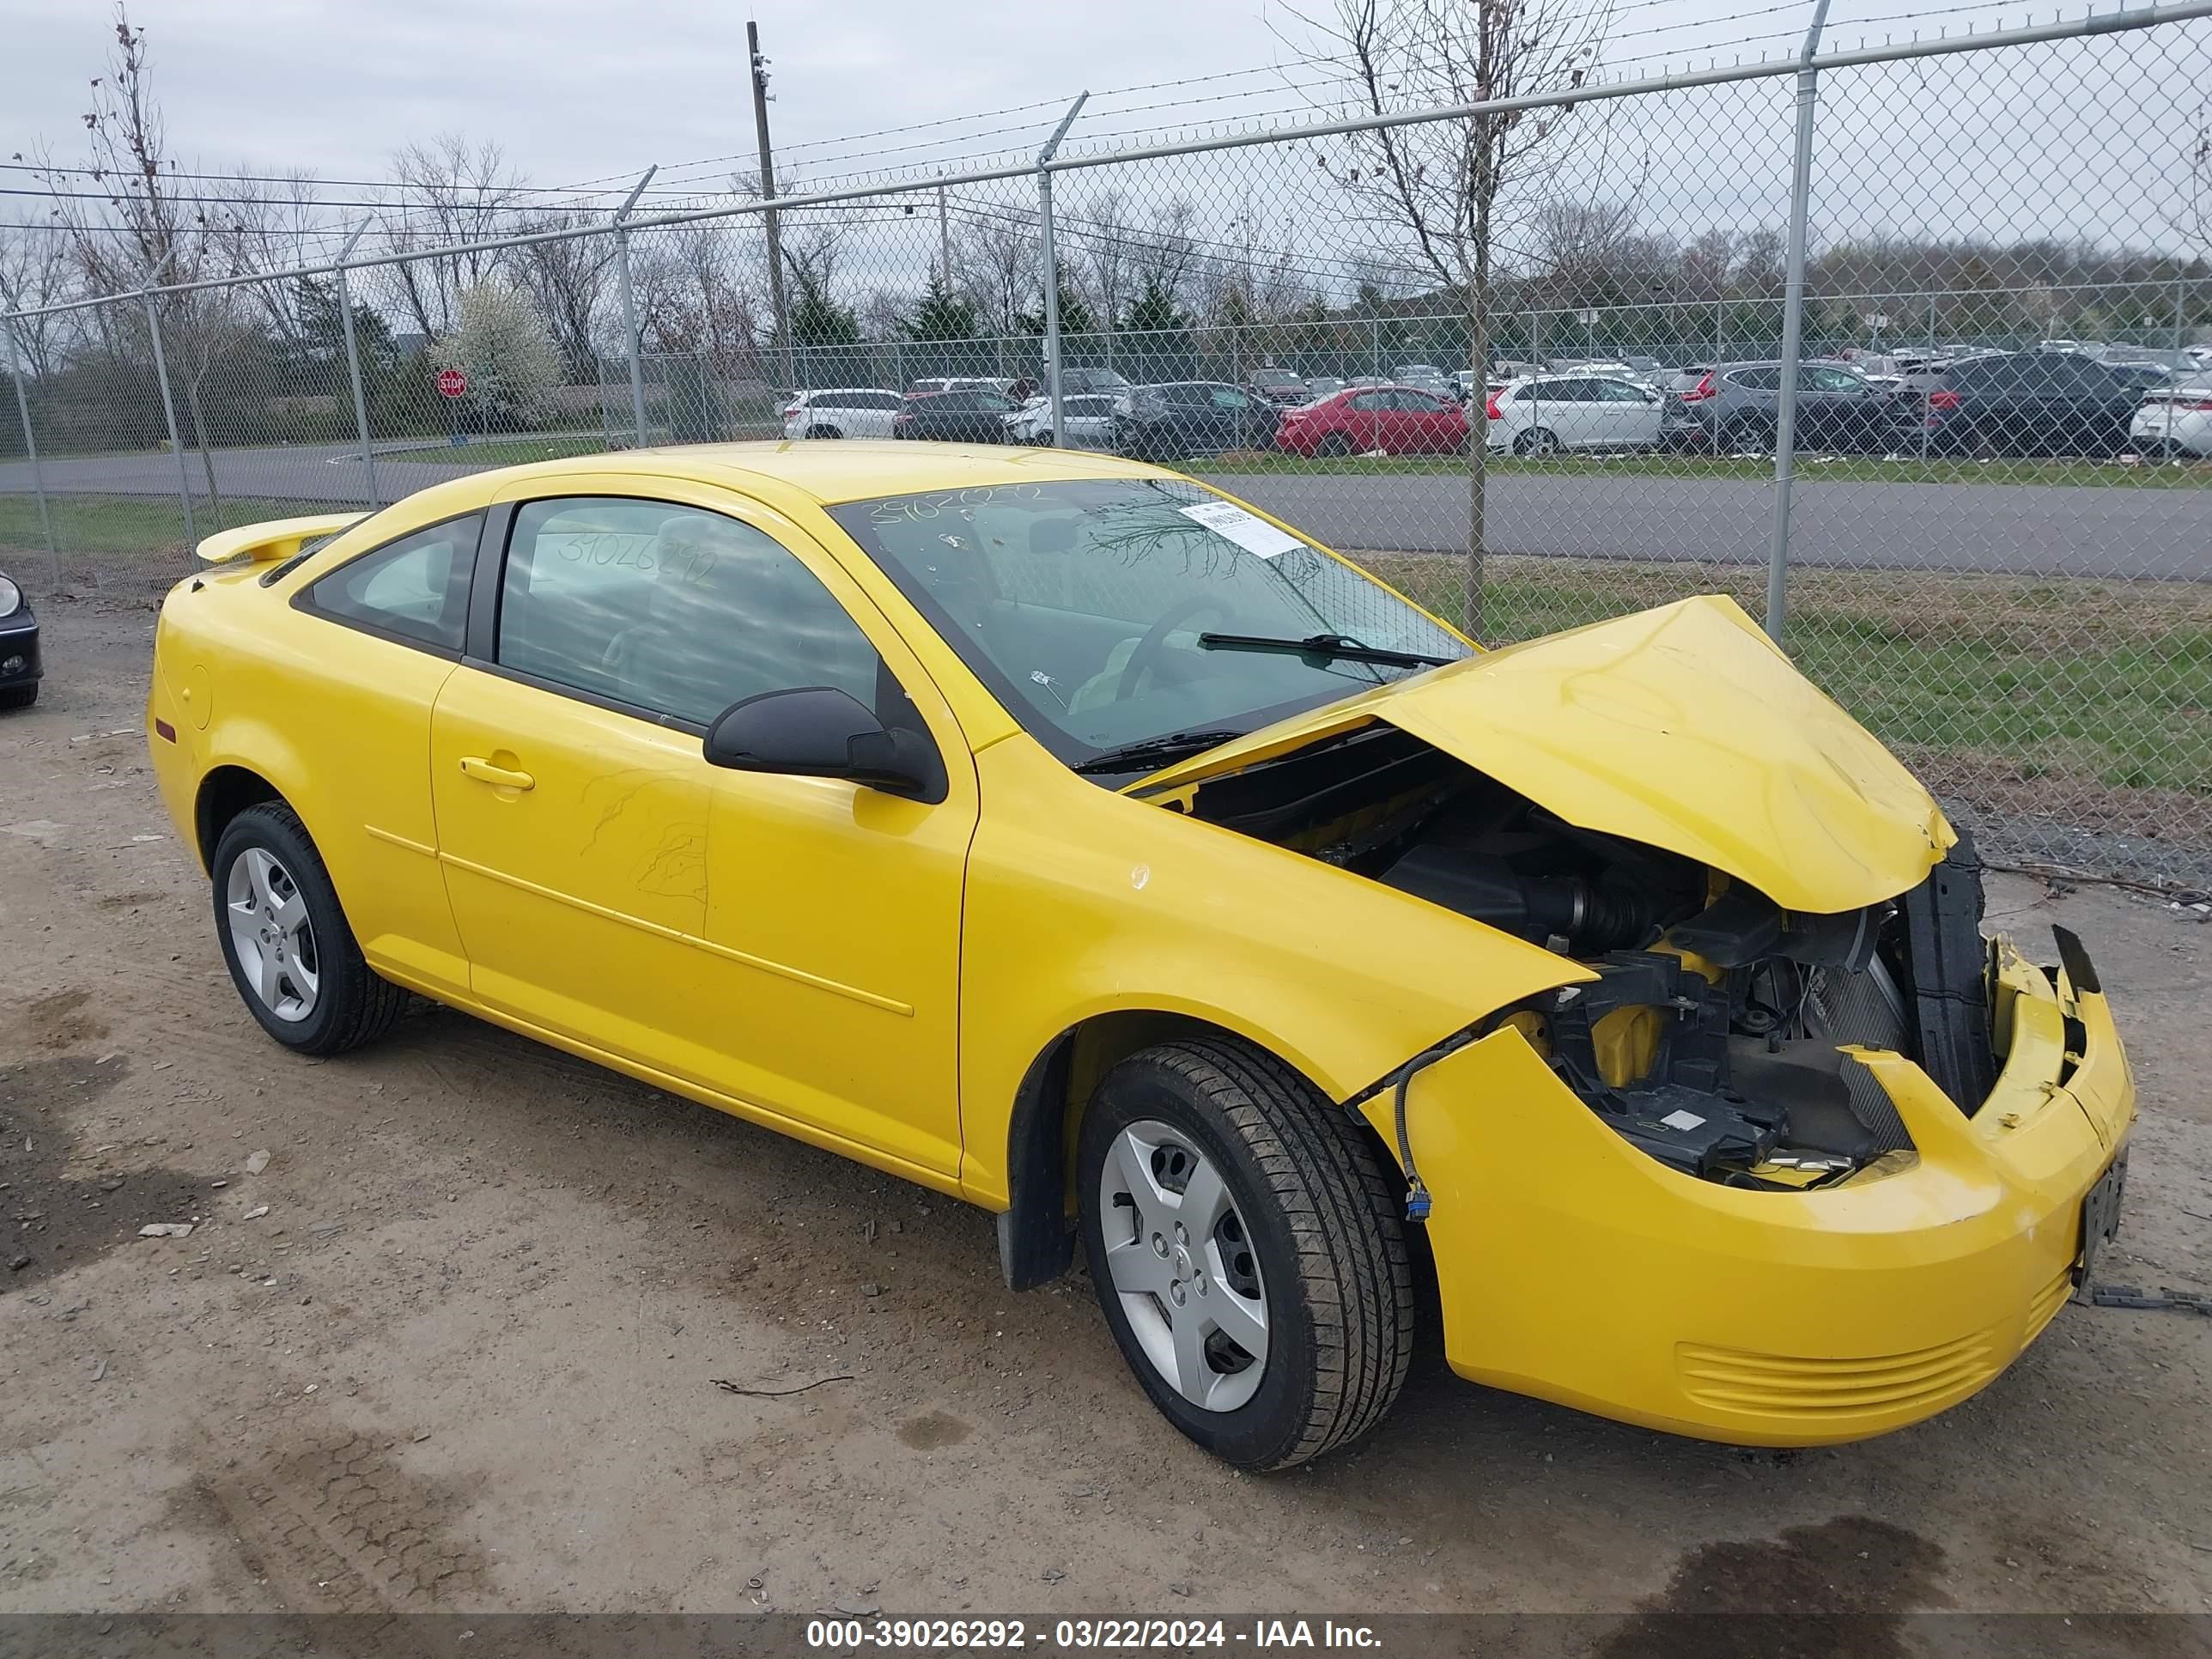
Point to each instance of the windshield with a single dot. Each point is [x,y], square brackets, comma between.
[1080,602]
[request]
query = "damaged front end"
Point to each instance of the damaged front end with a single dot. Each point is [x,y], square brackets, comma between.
[1711,1030]
[1787,1154]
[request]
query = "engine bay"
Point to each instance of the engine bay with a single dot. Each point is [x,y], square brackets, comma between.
[1710,1038]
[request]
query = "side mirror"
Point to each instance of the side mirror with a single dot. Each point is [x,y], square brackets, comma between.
[820,732]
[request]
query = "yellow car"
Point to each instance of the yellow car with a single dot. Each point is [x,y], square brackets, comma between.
[1053,831]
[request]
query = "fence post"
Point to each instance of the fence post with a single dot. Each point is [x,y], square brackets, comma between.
[1793,327]
[169,414]
[629,302]
[1720,333]
[1052,267]
[353,369]
[31,450]
[2180,328]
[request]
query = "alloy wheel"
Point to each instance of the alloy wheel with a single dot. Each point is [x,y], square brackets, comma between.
[271,934]
[1180,1258]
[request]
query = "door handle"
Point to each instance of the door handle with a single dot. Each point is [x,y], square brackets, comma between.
[483,771]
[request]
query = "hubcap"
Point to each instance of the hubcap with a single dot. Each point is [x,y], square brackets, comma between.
[271,933]
[1180,1258]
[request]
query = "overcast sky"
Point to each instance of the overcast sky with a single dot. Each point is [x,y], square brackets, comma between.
[2080,141]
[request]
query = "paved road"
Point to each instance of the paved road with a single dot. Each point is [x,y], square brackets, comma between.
[2021,529]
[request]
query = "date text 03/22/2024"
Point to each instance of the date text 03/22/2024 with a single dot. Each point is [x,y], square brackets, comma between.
[1086,1634]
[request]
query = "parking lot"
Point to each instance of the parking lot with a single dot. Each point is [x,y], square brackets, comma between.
[456,1345]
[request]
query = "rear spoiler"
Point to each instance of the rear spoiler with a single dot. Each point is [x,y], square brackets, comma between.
[274,538]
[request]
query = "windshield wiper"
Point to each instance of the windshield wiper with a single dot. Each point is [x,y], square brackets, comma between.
[1323,645]
[1149,752]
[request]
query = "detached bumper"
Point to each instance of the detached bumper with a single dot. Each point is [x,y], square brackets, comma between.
[1574,1268]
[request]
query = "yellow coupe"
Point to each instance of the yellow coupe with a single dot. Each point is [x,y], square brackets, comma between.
[1055,832]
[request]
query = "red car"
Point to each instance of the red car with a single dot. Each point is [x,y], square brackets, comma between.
[1394,419]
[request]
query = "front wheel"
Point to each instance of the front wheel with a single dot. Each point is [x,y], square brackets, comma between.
[1246,1245]
[20,696]
[286,941]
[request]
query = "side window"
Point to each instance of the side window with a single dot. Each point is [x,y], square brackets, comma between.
[1760,379]
[671,609]
[885,400]
[417,587]
[1228,396]
[1828,380]
[1367,402]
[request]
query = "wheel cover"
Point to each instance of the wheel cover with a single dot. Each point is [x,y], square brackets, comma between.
[270,932]
[1180,1258]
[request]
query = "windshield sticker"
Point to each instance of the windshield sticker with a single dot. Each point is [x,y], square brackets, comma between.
[1248,531]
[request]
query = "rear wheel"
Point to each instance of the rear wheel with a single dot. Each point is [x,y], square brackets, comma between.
[819,431]
[1537,441]
[1335,444]
[284,938]
[1246,1245]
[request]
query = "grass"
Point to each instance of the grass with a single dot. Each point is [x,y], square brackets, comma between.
[2035,691]
[128,523]
[1811,468]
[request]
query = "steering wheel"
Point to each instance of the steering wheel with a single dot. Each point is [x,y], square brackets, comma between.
[1140,659]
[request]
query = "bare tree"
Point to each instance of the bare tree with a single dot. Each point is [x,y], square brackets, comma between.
[999,270]
[1450,188]
[1106,250]
[567,281]
[145,231]
[699,292]
[447,191]
[37,270]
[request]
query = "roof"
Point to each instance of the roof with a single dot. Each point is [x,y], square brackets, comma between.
[849,470]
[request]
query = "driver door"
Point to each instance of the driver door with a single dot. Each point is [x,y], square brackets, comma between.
[790,945]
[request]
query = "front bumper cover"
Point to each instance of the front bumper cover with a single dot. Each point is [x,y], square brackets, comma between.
[1573,1267]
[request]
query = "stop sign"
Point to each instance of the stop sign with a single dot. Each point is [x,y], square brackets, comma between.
[452,383]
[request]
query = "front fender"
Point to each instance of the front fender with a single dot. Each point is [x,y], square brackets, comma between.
[1083,903]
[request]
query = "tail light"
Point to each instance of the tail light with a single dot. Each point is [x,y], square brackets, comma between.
[2192,405]
[904,417]
[792,414]
[1699,393]
[1490,407]
[1943,400]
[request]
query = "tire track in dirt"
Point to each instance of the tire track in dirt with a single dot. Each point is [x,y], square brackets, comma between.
[334,1524]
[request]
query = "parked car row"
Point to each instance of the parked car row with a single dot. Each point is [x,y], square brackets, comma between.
[2042,403]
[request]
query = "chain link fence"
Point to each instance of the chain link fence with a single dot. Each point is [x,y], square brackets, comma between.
[1909,349]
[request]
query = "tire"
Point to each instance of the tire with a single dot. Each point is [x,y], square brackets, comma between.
[347,1003]
[824,432]
[1335,444]
[1537,441]
[1328,1270]
[20,696]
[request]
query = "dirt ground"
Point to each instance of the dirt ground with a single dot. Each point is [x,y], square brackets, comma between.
[455,1346]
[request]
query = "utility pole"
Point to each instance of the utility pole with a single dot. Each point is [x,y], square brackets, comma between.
[783,340]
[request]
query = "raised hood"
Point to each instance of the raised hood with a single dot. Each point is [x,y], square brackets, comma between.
[1682,727]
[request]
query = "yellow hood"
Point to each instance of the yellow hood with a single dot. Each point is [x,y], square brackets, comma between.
[1682,727]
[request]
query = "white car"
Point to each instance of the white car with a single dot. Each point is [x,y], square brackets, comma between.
[1542,415]
[2175,421]
[852,411]
[1086,421]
